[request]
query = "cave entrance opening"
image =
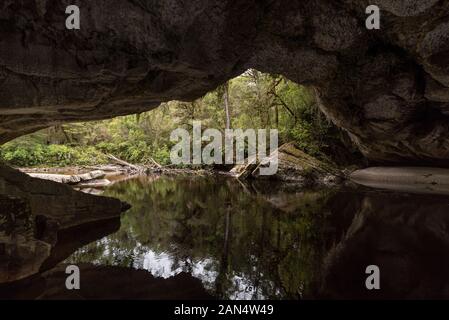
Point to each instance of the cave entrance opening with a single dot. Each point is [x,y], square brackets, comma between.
[253,100]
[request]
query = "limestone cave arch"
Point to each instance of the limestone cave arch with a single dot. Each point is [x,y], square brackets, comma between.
[388,88]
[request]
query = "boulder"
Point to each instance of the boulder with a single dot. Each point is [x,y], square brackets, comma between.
[70,179]
[293,166]
[406,179]
[42,222]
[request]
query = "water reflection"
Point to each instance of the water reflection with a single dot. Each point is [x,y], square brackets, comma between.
[271,241]
[105,282]
[244,242]
[406,235]
[226,239]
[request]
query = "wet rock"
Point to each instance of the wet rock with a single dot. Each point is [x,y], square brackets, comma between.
[293,166]
[408,179]
[55,200]
[21,253]
[37,218]
[70,179]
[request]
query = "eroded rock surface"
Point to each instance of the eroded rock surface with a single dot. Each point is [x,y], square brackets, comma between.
[293,165]
[43,222]
[70,179]
[388,89]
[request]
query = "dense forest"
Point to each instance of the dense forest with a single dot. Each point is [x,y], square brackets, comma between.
[252,100]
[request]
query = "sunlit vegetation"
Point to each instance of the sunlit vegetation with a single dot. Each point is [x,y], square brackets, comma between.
[253,100]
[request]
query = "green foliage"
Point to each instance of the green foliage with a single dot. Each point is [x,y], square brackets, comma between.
[256,100]
[23,155]
[162,155]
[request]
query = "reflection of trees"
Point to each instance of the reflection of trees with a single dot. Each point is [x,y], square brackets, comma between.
[255,249]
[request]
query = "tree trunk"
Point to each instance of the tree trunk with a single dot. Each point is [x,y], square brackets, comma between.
[276,116]
[226,105]
[220,285]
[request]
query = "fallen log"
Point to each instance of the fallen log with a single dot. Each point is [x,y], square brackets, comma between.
[69,179]
[107,168]
[124,163]
[155,163]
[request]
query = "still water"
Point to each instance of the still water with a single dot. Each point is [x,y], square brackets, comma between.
[223,239]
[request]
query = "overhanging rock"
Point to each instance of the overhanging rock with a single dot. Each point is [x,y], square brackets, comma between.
[387,88]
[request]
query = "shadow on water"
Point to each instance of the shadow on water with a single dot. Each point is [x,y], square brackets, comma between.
[269,241]
[225,239]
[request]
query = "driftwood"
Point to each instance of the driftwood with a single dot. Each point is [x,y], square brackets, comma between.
[123,163]
[108,168]
[247,169]
[155,163]
[69,179]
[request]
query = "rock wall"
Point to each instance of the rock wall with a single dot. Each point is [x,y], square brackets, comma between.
[43,222]
[388,88]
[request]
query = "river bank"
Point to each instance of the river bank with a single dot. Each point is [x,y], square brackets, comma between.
[402,179]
